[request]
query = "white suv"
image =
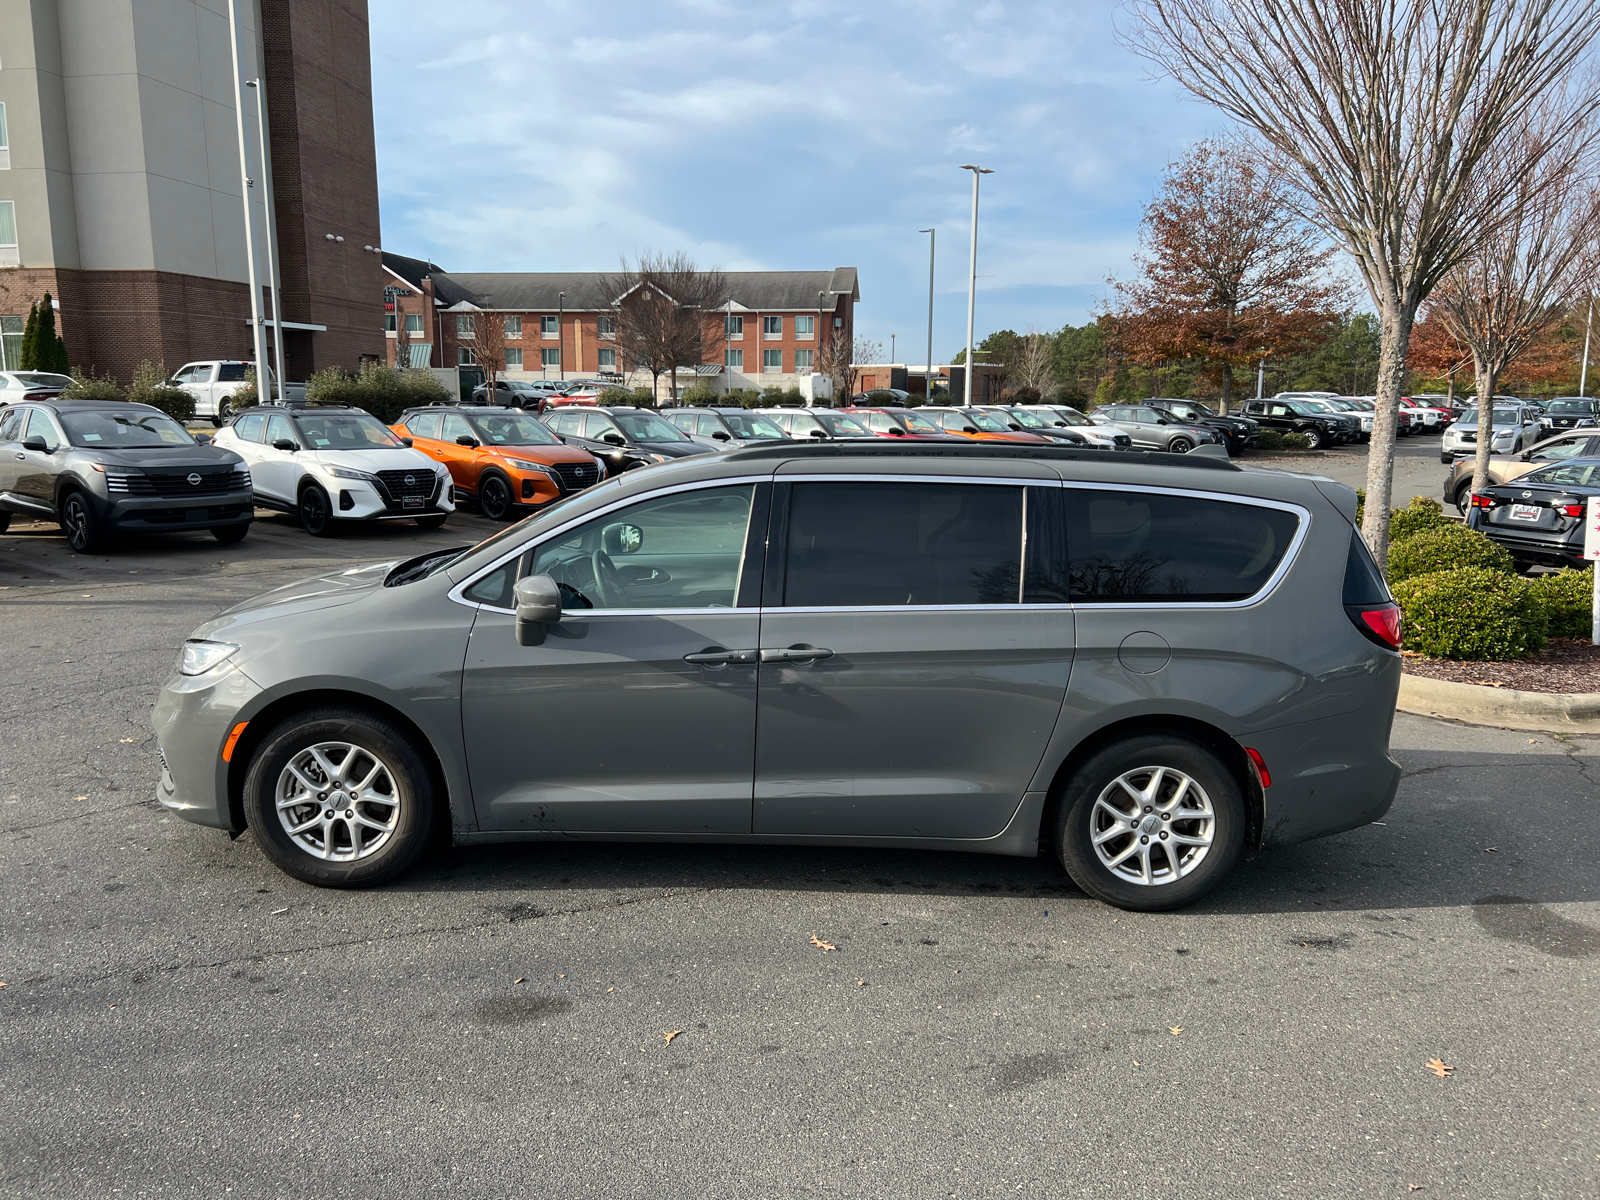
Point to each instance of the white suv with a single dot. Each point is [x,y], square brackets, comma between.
[330,464]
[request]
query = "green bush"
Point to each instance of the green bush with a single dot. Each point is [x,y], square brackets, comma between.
[1361,506]
[150,387]
[1423,513]
[700,394]
[1445,548]
[1296,441]
[1471,613]
[1269,439]
[775,397]
[615,395]
[245,395]
[381,390]
[1568,599]
[332,385]
[86,385]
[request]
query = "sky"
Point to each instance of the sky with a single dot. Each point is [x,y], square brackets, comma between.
[558,135]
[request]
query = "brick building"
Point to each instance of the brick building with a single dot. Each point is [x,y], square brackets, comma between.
[120,190]
[559,323]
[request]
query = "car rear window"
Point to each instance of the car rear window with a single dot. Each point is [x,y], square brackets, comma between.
[1143,546]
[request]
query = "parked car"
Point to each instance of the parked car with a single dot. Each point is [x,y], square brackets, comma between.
[1569,412]
[615,459]
[1154,429]
[900,396]
[1505,468]
[1238,433]
[978,425]
[1289,416]
[331,465]
[822,423]
[1031,423]
[508,393]
[724,428]
[1061,416]
[855,603]
[100,468]
[1514,430]
[503,461]
[900,423]
[1424,419]
[624,426]
[1539,517]
[1335,406]
[17,386]
[212,383]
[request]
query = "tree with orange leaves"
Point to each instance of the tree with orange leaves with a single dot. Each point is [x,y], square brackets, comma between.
[1229,273]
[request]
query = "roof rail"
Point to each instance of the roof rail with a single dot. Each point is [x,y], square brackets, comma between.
[882,448]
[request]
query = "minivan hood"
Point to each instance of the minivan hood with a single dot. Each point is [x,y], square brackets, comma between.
[319,591]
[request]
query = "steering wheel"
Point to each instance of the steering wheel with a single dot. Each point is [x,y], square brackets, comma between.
[607,583]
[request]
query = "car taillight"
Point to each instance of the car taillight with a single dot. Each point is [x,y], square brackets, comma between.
[1481,501]
[1572,510]
[1378,623]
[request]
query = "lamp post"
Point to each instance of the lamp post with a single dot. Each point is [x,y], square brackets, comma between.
[561,335]
[1583,379]
[972,274]
[933,237]
[257,331]
[272,244]
[811,397]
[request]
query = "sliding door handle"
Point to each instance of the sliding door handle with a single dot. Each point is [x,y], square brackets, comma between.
[796,654]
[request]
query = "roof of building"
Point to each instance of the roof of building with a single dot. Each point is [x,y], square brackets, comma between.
[541,291]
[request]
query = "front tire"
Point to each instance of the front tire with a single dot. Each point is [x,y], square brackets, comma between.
[82,525]
[494,497]
[1151,823]
[1314,440]
[337,797]
[1180,445]
[228,534]
[316,512]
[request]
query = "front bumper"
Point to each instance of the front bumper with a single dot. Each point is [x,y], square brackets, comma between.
[358,500]
[136,514]
[193,717]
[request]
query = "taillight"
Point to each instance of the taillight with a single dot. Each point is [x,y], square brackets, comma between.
[1572,510]
[1379,623]
[1482,501]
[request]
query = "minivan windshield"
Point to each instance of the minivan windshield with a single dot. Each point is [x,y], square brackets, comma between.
[345,431]
[647,427]
[103,429]
[512,429]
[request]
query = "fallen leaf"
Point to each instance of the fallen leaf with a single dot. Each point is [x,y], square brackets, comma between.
[1440,1068]
[125,741]
[2,983]
[1415,1187]
[1532,741]
[611,989]
[80,797]
[518,980]
[560,976]
[816,941]
[1136,1062]
[861,983]
[1174,1030]
[669,1034]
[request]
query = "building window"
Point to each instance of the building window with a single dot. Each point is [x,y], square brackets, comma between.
[805,326]
[414,323]
[548,326]
[607,325]
[514,358]
[802,361]
[5,142]
[514,326]
[466,325]
[838,322]
[388,323]
[466,357]
[772,362]
[608,360]
[771,327]
[11,342]
[550,360]
[8,234]
[735,327]
[733,360]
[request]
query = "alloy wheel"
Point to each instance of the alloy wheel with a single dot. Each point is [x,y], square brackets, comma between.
[494,498]
[338,801]
[1152,826]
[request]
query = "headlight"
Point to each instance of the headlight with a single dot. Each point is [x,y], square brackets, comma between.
[346,473]
[523,464]
[660,458]
[198,657]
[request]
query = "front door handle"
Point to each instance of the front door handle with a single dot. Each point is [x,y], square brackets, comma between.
[796,654]
[22,458]
[716,656]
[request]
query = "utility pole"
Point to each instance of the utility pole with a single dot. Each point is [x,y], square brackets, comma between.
[257,332]
[1583,379]
[1261,376]
[933,237]
[278,369]
[972,274]
[561,335]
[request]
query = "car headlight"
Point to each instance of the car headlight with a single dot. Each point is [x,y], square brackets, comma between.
[346,473]
[660,458]
[523,464]
[199,656]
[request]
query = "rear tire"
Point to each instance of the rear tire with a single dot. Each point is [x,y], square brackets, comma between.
[316,512]
[82,525]
[390,820]
[1100,820]
[228,534]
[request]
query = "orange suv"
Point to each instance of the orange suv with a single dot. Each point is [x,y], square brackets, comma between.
[499,457]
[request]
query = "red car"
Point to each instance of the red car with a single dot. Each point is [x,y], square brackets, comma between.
[901,423]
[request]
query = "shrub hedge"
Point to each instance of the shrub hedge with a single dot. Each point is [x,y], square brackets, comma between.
[1568,599]
[1443,548]
[150,387]
[1473,613]
[1296,441]
[383,391]
[86,385]
[1422,513]
[1269,439]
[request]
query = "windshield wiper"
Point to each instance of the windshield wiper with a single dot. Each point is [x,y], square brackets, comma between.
[422,566]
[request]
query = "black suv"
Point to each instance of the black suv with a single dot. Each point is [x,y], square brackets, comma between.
[623,425]
[1285,416]
[100,467]
[1240,432]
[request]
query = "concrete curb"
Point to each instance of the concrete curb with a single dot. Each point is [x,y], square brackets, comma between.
[1575,712]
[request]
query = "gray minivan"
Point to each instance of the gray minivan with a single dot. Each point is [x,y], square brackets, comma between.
[1153,664]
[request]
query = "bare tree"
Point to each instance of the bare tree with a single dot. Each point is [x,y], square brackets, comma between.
[835,355]
[402,339]
[1035,356]
[489,347]
[664,314]
[1384,112]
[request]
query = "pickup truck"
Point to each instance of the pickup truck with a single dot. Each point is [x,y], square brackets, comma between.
[212,381]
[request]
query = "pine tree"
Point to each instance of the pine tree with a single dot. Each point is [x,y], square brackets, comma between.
[51,350]
[28,352]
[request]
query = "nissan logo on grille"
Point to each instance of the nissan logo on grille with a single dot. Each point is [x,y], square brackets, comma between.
[410,480]
[194,480]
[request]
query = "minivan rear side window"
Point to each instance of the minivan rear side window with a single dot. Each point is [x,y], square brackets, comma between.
[1149,546]
[870,544]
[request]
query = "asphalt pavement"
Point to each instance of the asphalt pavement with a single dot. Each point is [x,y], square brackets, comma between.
[596,1020]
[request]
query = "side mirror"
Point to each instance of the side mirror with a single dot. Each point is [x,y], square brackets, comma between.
[285,444]
[467,440]
[720,436]
[969,429]
[621,539]
[203,438]
[616,439]
[35,443]
[1159,421]
[538,603]
[407,442]
[1014,428]
[817,433]
[896,431]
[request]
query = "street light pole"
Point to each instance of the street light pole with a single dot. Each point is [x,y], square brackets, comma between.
[1583,379]
[933,236]
[257,330]
[972,274]
[561,334]
[273,279]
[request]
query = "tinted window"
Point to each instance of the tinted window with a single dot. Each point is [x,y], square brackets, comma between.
[231,372]
[424,425]
[1568,474]
[1363,582]
[1566,448]
[854,545]
[248,427]
[11,424]
[1134,546]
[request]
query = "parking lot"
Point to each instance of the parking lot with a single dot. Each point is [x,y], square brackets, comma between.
[617,1020]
